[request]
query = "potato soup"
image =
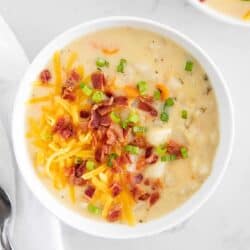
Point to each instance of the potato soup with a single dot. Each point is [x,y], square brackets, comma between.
[239,9]
[122,125]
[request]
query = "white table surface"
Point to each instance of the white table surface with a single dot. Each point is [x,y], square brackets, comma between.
[223,222]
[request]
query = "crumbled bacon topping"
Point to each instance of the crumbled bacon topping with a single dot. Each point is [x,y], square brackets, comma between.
[45,76]
[68,94]
[150,156]
[121,100]
[74,174]
[114,214]
[89,191]
[98,80]
[146,106]
[134,178]
[115,189]
[64,127]
[68,89]
[101,153]
[174,148]
[140,141]
[84,114]
[114,134]
[154,197]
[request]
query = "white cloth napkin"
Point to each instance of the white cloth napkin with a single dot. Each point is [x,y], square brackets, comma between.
[34,227]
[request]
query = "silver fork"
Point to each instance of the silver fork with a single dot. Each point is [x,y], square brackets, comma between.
[5,215]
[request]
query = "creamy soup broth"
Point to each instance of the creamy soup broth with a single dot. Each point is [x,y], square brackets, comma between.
[236,8]
[192,119]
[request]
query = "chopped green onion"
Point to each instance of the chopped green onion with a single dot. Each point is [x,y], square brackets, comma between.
[98,96]
[184,152]
[139,129]
[164,117]
[184,114]
[169,103]
[131,149]
[166,157]
[157,94]
[172,157]
[111,157]
[86,89]
[90,165]
[124,124]
[189,66]
[121,65]
[115,118]
[101,62]
[133,117]
[93,209]
[161,150]
[142,87]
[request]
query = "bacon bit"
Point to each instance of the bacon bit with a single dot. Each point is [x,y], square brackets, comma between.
[105,121]
[64,127]
[150,156]
[80,169]
[148,151]
[84,114]
[115,189]
[121,100]
[147,182]
[89,191]
[101,152]
[141,163]
[99,156]
[73,78]
[135,178]
[154,197]
[109,93]
[70,85]
[139,194]
[123,159]
[101,135]
[111,137]
[114,214]
[94,141]
[144,197]
[109,51]
[74,174]
[156,184]
[114,134]
[140,141]
[68,94]
[104,110]
[94,120]
[45,76]
[153,158]
[147,107]
[98,80]
[126,133]
[174,148]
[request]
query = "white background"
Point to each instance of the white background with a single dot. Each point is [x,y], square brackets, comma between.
[223,222]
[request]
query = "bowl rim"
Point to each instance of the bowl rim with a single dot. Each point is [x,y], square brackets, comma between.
[67,215]
[218,15]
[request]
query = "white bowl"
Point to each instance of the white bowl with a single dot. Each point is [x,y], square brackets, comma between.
[218,15]
[105,229]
